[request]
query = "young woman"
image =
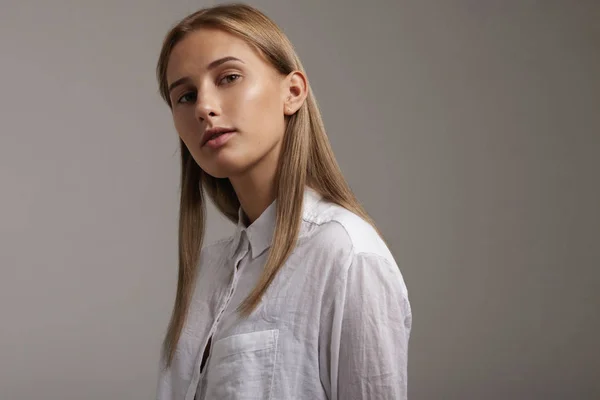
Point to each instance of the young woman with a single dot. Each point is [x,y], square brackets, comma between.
[304,301]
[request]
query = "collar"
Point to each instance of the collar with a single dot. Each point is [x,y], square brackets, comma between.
[260,232]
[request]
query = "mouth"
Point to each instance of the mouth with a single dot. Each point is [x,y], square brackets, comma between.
[214,133]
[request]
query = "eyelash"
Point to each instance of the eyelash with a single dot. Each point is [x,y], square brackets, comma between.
[237,76]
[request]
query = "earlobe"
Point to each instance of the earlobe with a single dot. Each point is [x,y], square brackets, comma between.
[290,109]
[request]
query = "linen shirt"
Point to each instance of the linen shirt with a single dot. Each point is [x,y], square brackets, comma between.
[334,324]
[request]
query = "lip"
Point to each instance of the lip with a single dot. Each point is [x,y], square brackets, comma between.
[213,131]
[219,141]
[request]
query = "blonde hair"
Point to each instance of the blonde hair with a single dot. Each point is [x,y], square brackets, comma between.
[306,160]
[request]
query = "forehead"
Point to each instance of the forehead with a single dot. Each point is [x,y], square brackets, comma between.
[199,48]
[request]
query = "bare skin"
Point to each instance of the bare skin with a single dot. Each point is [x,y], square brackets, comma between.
[218,80]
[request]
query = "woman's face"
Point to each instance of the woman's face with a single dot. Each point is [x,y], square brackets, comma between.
[217,81]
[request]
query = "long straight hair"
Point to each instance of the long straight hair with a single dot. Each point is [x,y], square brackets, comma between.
[306,160]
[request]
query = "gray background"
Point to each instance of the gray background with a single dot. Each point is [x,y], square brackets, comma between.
[469,129]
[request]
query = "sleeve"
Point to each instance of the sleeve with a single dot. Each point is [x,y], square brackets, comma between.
[370,331]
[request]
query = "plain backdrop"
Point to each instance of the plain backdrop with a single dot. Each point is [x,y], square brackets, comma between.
[469,129]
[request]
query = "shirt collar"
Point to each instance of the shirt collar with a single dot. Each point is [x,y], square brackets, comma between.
[260,232]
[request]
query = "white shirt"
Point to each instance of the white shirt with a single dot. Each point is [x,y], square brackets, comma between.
[334,324]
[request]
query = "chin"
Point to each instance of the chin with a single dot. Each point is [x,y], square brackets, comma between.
[219,174]
[224,168]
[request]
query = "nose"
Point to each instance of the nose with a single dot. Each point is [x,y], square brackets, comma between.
[206,107]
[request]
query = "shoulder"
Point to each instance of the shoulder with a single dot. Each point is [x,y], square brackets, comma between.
[335,227]
[215,250]
[355,258]
[217,245]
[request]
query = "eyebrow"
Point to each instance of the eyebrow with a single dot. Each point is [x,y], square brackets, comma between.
[212,65]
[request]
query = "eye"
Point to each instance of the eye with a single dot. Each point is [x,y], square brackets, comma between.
[187,98]
[229,78]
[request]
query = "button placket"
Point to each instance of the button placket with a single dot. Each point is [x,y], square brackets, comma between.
[199,374]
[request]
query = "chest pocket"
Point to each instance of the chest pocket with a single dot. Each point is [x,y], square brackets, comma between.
[242,366]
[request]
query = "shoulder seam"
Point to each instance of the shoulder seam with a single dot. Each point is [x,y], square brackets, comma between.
[385,260]
[371,253]
[352,247]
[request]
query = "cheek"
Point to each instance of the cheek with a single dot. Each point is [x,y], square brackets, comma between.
[259,108]
[184,127]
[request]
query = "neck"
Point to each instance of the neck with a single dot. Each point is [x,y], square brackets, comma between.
[255,189]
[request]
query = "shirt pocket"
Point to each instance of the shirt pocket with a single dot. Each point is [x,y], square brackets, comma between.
[242,366]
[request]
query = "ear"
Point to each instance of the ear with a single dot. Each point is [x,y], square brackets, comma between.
[295,90]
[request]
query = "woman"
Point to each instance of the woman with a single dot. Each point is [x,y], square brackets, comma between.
[305,300]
